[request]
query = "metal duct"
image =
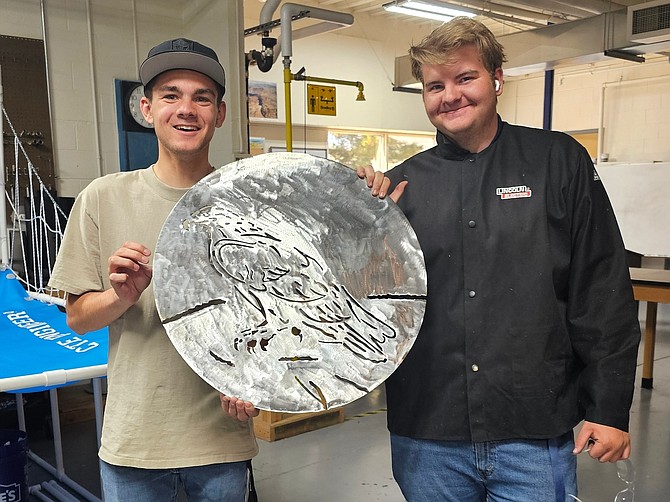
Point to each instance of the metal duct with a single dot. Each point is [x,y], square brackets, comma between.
[649,22]
[587,40]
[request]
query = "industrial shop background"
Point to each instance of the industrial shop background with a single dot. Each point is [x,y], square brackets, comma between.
[67,67]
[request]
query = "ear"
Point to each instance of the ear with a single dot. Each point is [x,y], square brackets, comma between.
[221,114]
[145,107]
[498,81]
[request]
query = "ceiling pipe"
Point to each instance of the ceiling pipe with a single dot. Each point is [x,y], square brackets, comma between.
[334,19]
[273,47]
[268,10]
[290,12]
[266,57]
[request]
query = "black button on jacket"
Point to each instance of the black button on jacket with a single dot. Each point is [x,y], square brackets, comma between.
[530,324]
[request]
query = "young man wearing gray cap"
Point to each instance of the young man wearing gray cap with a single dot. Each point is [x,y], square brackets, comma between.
[163,426]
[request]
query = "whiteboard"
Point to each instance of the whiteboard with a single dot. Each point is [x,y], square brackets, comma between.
[640,196]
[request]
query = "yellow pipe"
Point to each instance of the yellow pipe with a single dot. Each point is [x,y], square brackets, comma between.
[308,78]
[287,105]
[288,77]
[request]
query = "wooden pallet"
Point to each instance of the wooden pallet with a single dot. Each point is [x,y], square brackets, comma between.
[76,405]
[272,426]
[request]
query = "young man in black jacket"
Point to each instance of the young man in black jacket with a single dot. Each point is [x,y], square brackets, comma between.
[530,325]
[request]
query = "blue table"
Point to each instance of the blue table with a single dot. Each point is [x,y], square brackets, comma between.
[39,352]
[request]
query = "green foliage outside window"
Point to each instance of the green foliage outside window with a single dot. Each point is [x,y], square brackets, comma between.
[379,150]
[401,148]
[353,150]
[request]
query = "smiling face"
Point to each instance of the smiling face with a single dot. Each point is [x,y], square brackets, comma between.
[183,109]
[460,98]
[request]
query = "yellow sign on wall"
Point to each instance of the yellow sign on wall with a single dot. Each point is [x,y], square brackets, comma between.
[320,100]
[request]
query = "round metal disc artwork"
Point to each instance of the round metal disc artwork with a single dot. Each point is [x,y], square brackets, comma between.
[281,280]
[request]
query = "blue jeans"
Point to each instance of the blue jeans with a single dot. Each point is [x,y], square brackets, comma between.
[217,482]
[495,471]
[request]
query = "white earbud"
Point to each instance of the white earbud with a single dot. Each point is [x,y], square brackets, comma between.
[497,85]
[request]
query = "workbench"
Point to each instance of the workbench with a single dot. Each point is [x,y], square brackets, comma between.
[651,286]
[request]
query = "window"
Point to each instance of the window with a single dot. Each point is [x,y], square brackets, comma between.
[401,147]
[355,149]
[379,149]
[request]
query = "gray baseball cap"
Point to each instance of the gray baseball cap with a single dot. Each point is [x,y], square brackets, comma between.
[182,54]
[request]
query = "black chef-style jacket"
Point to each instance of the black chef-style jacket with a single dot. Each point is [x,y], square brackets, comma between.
[530,324]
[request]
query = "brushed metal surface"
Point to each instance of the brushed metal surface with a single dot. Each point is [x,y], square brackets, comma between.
[282,281]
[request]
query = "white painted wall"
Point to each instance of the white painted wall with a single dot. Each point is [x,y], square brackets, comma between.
[20,18]
[215,24]
[89,44]
[635,101]
[335,56]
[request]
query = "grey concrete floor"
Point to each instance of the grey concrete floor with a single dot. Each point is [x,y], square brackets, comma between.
[649,430]
[351,461]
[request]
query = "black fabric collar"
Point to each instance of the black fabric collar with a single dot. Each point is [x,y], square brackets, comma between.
[452,151]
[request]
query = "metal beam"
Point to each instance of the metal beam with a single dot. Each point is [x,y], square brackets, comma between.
[592,6]
[506,10]
[549,7]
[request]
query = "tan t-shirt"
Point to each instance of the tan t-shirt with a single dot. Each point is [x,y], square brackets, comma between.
[159,413]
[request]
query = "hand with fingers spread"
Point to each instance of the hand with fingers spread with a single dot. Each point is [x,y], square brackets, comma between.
[379,184]
[237,408]
[607,444]
[129,271]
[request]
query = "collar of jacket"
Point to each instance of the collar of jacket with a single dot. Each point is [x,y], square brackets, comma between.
[452,151]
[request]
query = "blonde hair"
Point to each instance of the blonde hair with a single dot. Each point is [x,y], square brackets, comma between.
[441,43]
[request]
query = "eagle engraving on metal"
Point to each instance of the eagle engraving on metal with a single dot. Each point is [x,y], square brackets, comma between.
[280,280]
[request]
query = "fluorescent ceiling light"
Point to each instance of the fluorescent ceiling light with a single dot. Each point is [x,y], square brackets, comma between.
[426,9]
